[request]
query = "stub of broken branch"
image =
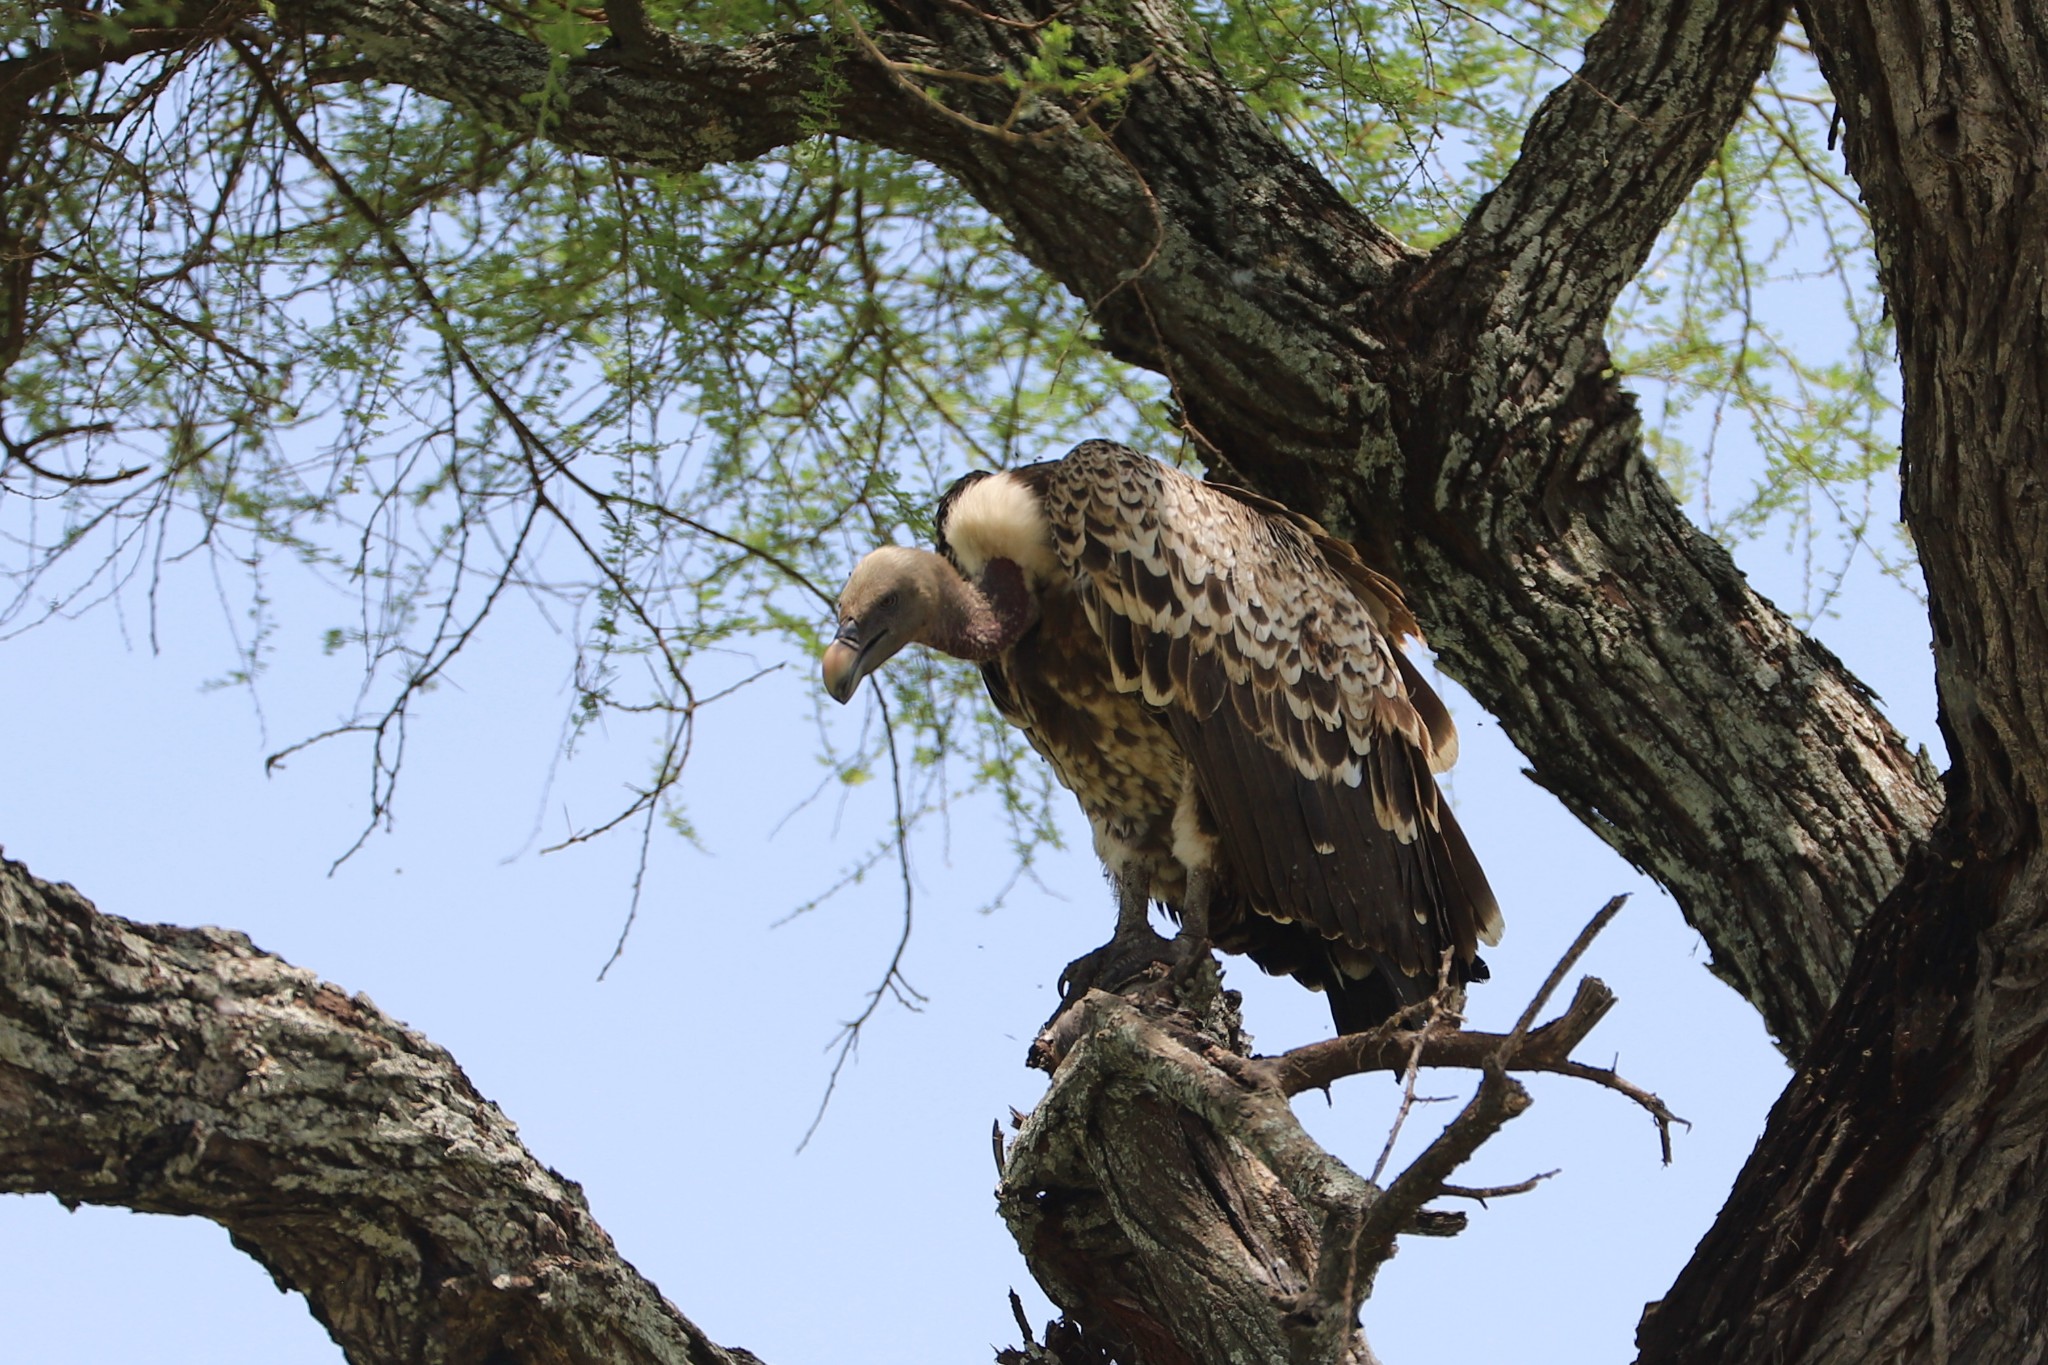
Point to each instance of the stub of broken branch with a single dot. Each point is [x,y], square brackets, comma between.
[1165,1154]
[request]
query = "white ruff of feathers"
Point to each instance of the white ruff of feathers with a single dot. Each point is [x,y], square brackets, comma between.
[999,518]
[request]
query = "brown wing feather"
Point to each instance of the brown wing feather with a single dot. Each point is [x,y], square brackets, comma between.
[1267,645]
[1380,594]
[1383,599]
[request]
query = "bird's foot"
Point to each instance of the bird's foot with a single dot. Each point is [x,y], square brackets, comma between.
[1189,952]
[1118,963]
[1149,968]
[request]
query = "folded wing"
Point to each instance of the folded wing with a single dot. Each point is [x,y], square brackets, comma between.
[1268,648]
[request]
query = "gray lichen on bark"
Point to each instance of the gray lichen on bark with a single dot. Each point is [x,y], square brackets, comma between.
[185,1071]
[1452,411]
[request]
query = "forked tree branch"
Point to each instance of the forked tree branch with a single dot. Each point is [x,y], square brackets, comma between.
[1165,1194]
[1659,87]
[1399,1046]
[1546,1049]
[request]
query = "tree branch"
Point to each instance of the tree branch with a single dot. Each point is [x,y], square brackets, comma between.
[654,100]
[184,1071]
[83,47]
[1317,1066]
[1659,88]
[1166,1195]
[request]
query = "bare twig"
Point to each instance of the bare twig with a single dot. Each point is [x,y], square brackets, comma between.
[894,983]
[1358,1233]
[1395,1046]
[1315,1066]
[1435,1011]
[1483,1193]
[17,452]
[1498,1099]
[1571,957]
[1570,75]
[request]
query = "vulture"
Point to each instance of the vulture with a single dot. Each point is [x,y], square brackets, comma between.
[1218,680]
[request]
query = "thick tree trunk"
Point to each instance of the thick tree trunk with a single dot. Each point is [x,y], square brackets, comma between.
[1897,1207]
[1453,411]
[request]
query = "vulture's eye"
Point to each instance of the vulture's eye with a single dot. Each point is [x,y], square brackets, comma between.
[888,602]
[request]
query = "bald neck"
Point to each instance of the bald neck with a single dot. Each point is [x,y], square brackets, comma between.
[979,620]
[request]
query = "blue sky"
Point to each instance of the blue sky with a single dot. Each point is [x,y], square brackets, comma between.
[676,1090]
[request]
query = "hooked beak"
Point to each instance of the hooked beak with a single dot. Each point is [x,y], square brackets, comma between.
[842,666]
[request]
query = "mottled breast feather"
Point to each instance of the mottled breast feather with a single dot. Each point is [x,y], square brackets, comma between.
[1105,746]
[1268,647]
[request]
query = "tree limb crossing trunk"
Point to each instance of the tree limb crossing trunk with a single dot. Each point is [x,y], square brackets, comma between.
[1897,1205]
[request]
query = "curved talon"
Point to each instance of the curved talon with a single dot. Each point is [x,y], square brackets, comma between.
[1122,960]
[1116,963]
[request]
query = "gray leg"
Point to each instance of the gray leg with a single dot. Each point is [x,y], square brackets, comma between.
[1195,846]
[1133,908]
[1194,911]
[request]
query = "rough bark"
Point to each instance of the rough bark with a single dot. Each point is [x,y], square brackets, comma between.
[1192,1232]
[1171,1204]
[1897,1206]
[183,1071]
[1453,412]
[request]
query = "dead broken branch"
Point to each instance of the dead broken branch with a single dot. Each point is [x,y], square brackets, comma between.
[1398,1045]
[1157,1119]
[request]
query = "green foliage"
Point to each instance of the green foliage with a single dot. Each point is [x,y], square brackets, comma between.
[1413,110]
[1055,69]
[1761,429]
[454,369]
[451,367]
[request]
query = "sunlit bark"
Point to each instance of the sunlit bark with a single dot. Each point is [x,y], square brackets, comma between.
[1455,413]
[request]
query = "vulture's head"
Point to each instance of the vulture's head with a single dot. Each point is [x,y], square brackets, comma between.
[891,601]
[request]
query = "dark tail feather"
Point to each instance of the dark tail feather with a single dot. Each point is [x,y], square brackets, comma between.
[1362,997]
[1361,1003]
[1357,1005]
